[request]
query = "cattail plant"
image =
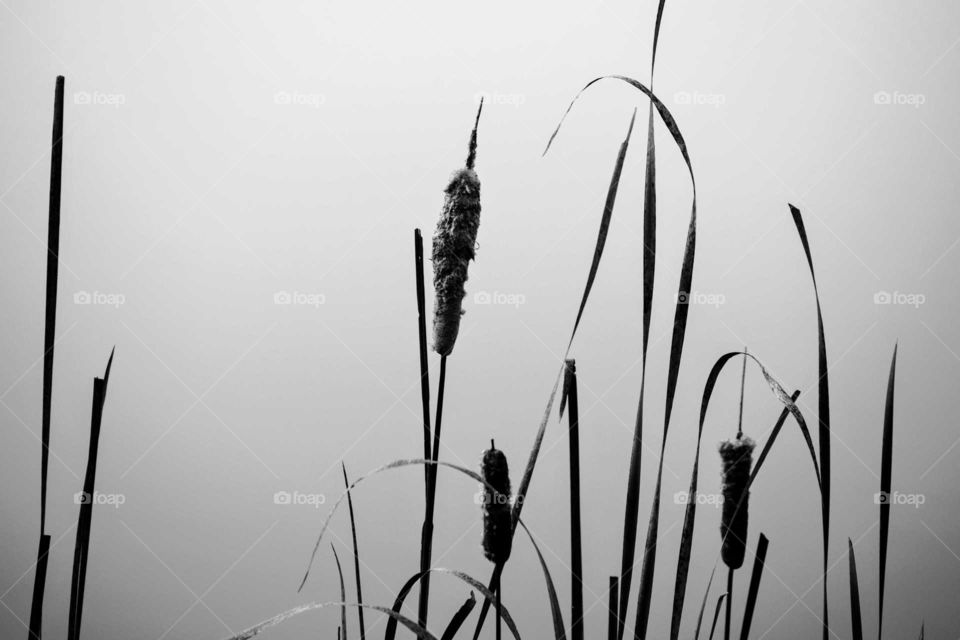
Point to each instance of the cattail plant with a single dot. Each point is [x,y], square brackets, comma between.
[497,517]
[736,458]
[497,525]
[454,244]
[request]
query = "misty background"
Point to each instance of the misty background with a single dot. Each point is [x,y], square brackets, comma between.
[219,156]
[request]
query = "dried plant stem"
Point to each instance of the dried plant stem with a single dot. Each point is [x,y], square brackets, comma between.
[426,536]
[726,623]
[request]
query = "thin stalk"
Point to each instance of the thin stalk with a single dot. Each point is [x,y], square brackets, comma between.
[356,554]
[727,615]
[426,537]
[576,542]
[743,385]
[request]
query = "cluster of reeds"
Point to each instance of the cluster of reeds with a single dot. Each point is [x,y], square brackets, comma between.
[453,249]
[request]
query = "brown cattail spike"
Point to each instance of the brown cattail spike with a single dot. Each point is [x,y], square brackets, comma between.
[454,246]
[497,524]
[736,458]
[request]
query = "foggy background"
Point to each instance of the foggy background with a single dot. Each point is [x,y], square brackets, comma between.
[220,153]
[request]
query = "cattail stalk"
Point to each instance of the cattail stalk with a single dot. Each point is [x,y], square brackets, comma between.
[736,457]
[454,246]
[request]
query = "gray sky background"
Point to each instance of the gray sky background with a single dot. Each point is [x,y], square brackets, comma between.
[217,153]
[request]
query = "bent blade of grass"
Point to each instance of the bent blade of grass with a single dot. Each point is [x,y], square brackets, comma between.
[823,416]
[856,620]
[886,474]
[255,630]
[356,554]
[676,351]
[556,613]
[459,618]
[689,518]
[754,588]
[343,593]
[703,605]
[396,464]
[391,629]
[649,270]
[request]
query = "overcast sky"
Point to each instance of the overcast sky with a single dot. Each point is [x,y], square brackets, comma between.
[218,155]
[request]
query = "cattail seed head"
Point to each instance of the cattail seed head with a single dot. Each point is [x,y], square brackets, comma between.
[497,522]
[736,459]
[454,246]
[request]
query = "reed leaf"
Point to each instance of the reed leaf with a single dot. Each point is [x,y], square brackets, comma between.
[459,617]
[343,595]
[676,350]
[823,416]
[82,545]
[716,613]
[556,613]
[576,543]
[886,473]
[856,620]
[754,588]
[703,605]
[255,630]
[356,554]
[49,341]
